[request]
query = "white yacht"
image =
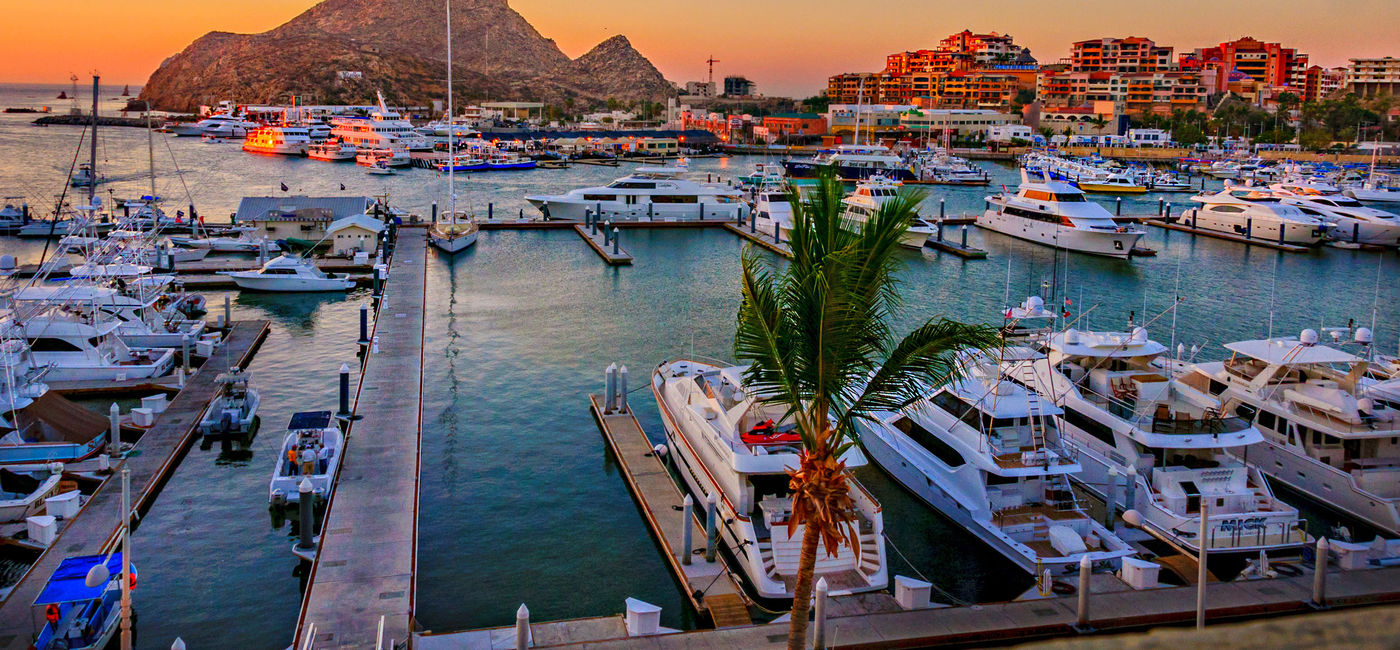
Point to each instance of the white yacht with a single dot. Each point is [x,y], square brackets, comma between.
[853,162]
[78,351]
[242,242]
[1059,215]
[867,199]
[224,125]
[1329,432]
[332,150]
[772,207]
[12,218]
[727,442]
[140,322]
[383,158]
[1370,192]
[1129,418]
[315,442]
[1351,221]
[985,452]
[648,193]
[383,129]
[289,273]
[1256,213]
[280,140]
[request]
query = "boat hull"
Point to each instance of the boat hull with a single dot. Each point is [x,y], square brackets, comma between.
[559,208]
[1308,477]
[453,244]
[1298,234]
[292,284]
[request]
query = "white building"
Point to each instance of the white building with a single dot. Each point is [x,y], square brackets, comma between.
[1009,132]
[1149,137]
[1374,77]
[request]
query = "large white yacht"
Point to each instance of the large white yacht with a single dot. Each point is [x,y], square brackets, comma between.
[281,140]
[867,199]
[383,129]
[1059,215]
[648,193]
[289,273]
[78,350]
[1351,221]
[1256,213]
[1329,432]
[726,441]
[225,125]
[985,452]
[1129,418]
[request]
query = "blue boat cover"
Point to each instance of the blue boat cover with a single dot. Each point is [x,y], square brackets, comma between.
[310,420]
[69,582]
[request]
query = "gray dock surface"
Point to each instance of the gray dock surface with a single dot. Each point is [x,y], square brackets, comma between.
[603,248]
[161,448]
[760,238]
[369,542]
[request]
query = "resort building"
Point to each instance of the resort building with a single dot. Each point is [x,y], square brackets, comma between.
[966,70]
[1373,77]
[1136,93]
[955,122]
[1269,64]
[1122,55]
[794,124]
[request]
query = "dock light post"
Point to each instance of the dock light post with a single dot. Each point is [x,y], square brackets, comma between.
[687,528]
[522,627]
[114,422]
[1319,594]
[344,412]
[305,503]
[1201,567]
[614,240]
[964,236]
[819,626]
[942,208]
[364,325]
[1082,619]
[711,526]
[99,575]
[185,351]
[1118,206]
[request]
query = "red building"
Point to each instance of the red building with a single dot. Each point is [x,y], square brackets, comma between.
[795,124]
[1268,64]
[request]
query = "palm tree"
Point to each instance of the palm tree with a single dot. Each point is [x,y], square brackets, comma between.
[815,336]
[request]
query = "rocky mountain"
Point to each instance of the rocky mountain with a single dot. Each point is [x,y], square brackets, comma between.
[398,47]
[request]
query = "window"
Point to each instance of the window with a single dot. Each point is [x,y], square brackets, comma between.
[1226,208]
[48,344]
[938,448]
[599,197]
[1216,387]
[1090,426]
[674,198]
[1266,419]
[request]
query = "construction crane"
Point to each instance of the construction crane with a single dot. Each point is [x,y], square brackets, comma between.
[712,61]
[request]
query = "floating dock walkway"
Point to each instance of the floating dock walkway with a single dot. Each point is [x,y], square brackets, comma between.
[611,252]
[1181,225]
[361,587]
[94,530]
[759,238]
[710,586]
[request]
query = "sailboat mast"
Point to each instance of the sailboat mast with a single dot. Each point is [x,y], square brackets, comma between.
[451,147]
[92,157]
[151,152]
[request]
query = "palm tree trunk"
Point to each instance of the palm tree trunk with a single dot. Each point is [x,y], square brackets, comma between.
[802,593]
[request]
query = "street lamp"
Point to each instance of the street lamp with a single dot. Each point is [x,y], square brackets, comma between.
[98,575]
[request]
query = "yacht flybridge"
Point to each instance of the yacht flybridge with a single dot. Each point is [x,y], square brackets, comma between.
[986,453]
[648,193]
[1128,417]
[1059,215]
[1329,431]
[728,442]
[870,195]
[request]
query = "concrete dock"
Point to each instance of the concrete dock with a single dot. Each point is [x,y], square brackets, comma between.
[710,586]
[364,572]
[94,529]
[611,252]
[760,238]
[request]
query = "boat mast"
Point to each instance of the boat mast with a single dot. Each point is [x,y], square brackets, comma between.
[92,156]
[451,146]
[151,155]
[860,97]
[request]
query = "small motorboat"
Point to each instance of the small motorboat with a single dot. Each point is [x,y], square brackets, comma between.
[381,168]
[233,409]
[289,273]
[79,617]
[22,495]
[84,176]
[311,451]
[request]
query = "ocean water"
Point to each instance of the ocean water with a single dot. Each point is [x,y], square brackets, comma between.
[520,503]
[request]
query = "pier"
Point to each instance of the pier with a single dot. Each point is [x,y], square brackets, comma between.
[361,587]
[709,586]
[95,529]
[598,239]
[960,247]
[1168,224]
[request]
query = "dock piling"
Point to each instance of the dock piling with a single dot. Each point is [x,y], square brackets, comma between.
[621,382]
[228,314]
[1280,232]
[305,503]
[185,351]
[615,234]
[1160,202]
[1110,504]
[942,208]
[610,390]
[364,325]
[964,236]
[1248,227]
[651,215]
[753,221]
[1168,213]
[711,526]
[1202,542]
[1118,206]
[1130,489]
[490,211]
[1082,617]
[522,627]
[114,423]
[344,411]
[687,519]
[819,626]
[180,377]
[1319,592]
[777,233]
[434,211]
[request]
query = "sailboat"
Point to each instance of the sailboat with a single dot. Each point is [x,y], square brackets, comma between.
[457,232]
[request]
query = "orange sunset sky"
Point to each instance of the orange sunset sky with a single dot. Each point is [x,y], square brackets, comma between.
[788,46]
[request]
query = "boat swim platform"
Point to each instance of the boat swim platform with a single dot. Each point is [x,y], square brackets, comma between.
[613,254]
[364,571]
[161,448]
[1162,222]
[710,587]
[1111,611]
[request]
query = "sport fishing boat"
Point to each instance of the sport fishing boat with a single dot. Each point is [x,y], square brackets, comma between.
[1329,432]
[140,323]
[851,162]
[332,150]
[310,451]
[280,140]
[78,350]
[243,242]
[1126,413]
[455,233]
[78,616]
[728,442]
[764,174]
[1257,213]
[289,273]
[234,407]
[772,207]
[650,192]
[13,218]
[985,452]
[1058,215]
[84,176]
[866,200]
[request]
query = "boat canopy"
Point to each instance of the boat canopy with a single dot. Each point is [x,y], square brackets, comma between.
[1106,344]
[68,584]
[310,420]
[1290,352]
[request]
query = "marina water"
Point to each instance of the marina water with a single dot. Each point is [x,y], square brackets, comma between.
[519,500]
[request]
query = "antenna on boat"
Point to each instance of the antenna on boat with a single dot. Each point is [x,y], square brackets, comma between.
[451,146]
[1272,285]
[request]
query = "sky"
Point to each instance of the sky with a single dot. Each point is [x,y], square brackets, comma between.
[789,47]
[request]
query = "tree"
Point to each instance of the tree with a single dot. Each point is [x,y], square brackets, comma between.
[1315,139]
[814,336]
[1099,122]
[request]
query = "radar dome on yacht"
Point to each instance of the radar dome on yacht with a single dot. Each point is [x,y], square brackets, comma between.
[1363,334]
[1140,334]
[7,262]
[1308,337]
[1072,336]
[1032,303]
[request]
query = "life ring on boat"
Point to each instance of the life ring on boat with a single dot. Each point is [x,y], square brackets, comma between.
[1061,588]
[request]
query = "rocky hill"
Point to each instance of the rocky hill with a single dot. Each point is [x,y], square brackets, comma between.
[398,46]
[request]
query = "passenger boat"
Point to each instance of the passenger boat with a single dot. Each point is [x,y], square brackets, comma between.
[280,140]
[986,452]
[508,161]
[659,193]
[332,150]
[852,162]
[453,233]
[313,432]
[233,409]
[1329,433]
[77,616]
[463,162]
[1128,416]
[1058,215]
[76,350]
[866,200]
[1256,213]
[383,129]
[289,273]
[726,441]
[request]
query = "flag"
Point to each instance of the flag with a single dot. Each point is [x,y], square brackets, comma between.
[342,187]
[1068,302]
[284,187]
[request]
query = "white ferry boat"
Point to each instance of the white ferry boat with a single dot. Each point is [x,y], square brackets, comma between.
[383,129]
[280,140]
[648,193]
[1058,215]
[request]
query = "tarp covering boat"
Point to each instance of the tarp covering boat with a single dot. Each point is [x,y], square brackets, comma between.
[18,483]
[68,584]
[53,418]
